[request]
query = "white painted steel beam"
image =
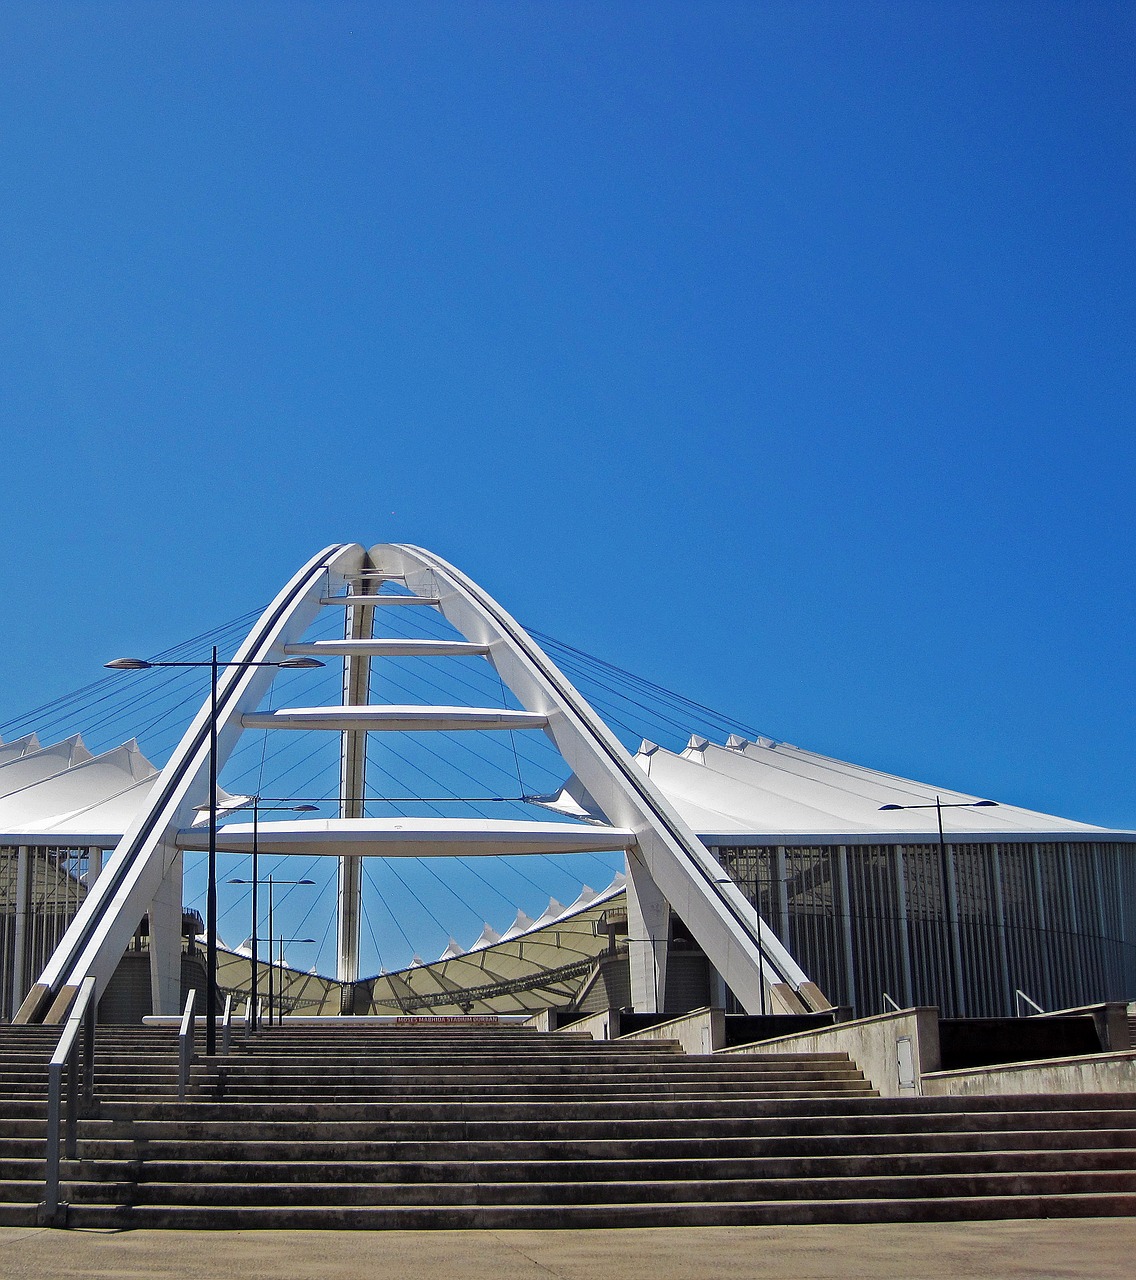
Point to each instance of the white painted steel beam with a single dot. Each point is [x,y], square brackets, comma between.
[104,924]
[412,837]
[669,857]
[389,648]
[400,719]
[380,600]
[739,944]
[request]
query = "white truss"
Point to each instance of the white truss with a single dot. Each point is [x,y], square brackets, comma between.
[667,865]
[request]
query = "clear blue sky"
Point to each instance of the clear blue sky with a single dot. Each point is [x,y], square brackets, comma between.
[780,352]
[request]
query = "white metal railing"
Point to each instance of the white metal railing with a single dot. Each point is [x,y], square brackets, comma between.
[1021,998]
[890,1001]
[66,1055]
[185,1044]
[227,1023]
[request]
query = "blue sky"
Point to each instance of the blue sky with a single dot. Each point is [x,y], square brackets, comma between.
[782,353]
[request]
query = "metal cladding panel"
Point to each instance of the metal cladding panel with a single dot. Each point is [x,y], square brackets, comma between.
[1055,919]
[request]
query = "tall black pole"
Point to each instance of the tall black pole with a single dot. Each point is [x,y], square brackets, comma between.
[255,878]
[270,951]
[211,900]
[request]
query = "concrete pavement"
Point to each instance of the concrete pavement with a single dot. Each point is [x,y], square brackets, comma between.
[1097,1248]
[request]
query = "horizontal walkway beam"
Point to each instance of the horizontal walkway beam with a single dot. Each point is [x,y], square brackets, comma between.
[412,837]
[400,719]
[379,599]
[393,648]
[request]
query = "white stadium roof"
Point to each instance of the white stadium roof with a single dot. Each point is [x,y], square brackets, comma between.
[760,790]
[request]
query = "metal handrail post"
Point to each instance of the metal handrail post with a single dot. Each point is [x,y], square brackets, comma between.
[70,1130]
[185,1044]
[227,1022]
[51,1173]
[89,1016]
[80,1018]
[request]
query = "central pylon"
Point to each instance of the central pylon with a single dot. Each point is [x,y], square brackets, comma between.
[619,807]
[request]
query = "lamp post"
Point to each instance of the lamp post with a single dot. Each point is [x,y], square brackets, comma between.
[282,941]
[257,806]
[142,664]
[271,881]
[944,873]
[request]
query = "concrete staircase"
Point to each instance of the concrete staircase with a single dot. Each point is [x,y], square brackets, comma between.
[403,1127]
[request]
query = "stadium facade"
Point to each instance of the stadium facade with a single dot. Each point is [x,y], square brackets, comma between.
[760,875]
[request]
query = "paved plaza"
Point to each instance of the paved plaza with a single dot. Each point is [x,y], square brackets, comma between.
[1102,1249]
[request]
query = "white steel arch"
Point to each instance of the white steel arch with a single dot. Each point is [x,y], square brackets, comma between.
[144,872]
[668,866]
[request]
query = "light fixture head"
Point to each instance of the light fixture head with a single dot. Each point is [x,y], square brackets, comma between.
[985,804]
[305,808]
[299,664]
[128,664]
[890,806]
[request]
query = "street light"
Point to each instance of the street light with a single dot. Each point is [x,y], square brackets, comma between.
[271,881]
[257,807]
[944,867]
[143,664]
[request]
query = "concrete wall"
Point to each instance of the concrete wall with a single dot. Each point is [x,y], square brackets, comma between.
[893,1050]
[600,1026]
[699,1031]
[1092,1073]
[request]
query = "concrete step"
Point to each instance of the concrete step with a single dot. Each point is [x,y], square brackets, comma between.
[302,1170]
[238,1151]
[389,1127]
[551,1217]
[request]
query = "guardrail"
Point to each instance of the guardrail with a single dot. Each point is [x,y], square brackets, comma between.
[1021,998]
[227,1023]
[185,1044]
[79,1100]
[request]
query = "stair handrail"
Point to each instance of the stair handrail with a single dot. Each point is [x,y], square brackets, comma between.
[66,1055]
[1020,996]
[185,1043]
[227,1023]
[891,1002]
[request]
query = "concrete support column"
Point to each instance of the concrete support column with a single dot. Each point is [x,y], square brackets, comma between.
[20,931]
[648,933]
[94,865]
[165,942]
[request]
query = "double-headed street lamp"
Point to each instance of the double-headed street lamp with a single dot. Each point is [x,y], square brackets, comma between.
[142,664]
[954,977]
